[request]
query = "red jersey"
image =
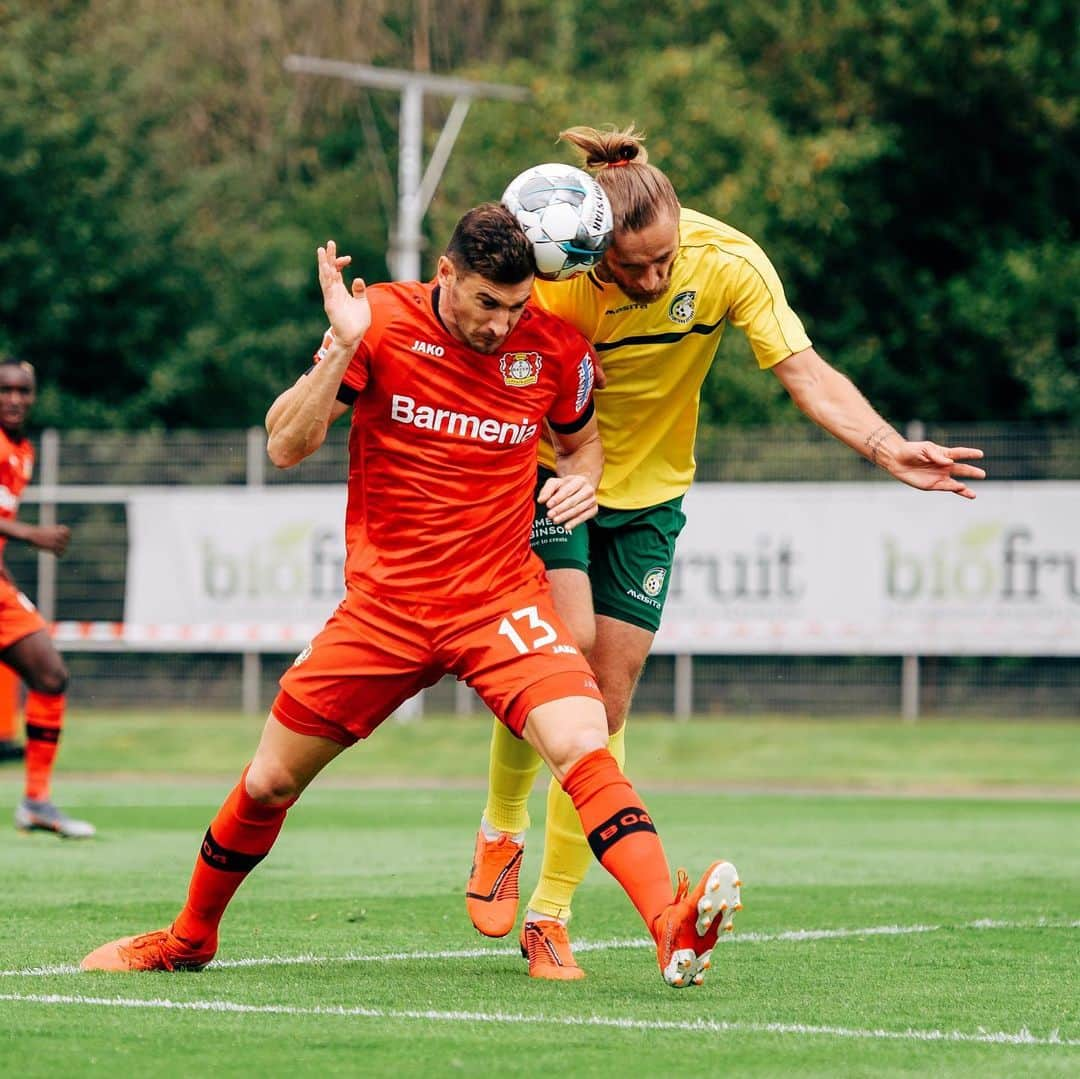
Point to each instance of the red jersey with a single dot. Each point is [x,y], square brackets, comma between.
[442,451]
[16,469]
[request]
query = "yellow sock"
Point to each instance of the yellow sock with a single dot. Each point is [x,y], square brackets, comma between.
[567,855]
[512,768]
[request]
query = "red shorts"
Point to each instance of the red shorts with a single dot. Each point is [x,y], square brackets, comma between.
[374,654]
[18,616]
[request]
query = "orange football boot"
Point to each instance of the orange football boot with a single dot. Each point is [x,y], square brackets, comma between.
[491,896]
[546,945]
[160,950]
[686,931]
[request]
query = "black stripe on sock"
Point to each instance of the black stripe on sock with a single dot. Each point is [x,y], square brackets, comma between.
[229,861]
[627,821]
[37,733]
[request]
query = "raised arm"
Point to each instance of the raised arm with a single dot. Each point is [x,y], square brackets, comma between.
[297,421]
[834,403]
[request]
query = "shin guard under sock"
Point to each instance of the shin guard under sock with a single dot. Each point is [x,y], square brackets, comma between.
[620,832]
[44,721]
[238,838]
[567,856]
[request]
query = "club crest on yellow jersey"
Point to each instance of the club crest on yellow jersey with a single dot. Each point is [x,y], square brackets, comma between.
[682,307]
[520,368]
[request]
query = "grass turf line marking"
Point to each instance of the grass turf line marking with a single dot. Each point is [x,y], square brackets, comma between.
[1001,1037]
[796,935]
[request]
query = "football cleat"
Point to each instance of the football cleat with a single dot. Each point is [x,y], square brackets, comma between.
[43,816]
[546,945]
[159,950]
[686,931]
[491,896]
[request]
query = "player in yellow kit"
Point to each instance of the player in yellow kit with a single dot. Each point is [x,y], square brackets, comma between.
[654,308]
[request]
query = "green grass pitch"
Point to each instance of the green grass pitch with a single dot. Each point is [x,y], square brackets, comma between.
[912,907]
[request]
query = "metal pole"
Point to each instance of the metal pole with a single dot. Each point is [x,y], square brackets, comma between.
[49,476]
[684,686]
[909,689]
[414,192]
[464,698]
[405,247]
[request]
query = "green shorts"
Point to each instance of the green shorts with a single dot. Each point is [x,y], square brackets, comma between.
[628,555]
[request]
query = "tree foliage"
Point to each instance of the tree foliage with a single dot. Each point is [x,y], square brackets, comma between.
[910,167]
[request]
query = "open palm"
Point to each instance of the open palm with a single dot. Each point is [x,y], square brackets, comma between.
[348,310]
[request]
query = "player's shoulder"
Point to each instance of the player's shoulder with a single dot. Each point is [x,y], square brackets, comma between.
[712,248]
[402,307]
[400,296]
[20,447]
[549,329]
[709,235]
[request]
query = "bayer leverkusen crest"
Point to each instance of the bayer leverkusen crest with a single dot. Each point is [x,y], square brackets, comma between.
[520,368]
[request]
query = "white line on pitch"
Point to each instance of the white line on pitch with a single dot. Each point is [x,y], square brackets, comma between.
[796,935]
[1021,1037]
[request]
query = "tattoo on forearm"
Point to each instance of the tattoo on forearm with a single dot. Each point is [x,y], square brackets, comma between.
[876,439]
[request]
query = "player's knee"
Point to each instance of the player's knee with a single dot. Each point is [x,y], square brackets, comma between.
[271,784]
[51,679]
[577,744]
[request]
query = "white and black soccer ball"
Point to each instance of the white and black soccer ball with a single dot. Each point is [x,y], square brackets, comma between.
[565,214]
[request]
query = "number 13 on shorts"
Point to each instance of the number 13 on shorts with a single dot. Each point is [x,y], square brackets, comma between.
[527,631]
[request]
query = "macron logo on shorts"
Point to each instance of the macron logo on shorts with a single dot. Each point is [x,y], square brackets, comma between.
[404,409]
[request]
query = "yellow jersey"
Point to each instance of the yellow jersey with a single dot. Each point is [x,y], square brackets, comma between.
[656,355]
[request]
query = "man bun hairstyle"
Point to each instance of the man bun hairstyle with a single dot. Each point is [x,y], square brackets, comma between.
[639,193]
[489,241]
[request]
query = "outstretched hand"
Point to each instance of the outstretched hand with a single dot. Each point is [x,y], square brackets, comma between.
[931,467]
[348,310]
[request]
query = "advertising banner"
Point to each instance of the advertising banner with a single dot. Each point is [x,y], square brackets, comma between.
[795,568]
[230,560]
[876,569]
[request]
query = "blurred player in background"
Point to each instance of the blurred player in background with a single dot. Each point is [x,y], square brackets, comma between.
[11,749]
[25,644]
[449,384]
[654,308]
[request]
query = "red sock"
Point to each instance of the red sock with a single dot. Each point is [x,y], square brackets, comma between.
[620,832]
[44,721]
[238,838]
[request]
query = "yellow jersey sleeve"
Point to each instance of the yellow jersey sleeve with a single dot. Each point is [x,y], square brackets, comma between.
[656,355]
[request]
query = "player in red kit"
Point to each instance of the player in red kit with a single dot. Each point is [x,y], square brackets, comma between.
[449,384]
[25,644]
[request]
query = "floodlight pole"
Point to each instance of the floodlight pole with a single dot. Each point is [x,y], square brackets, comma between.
[415,191]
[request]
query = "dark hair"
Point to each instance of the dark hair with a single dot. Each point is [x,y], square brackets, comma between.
[639,193]
[489,241]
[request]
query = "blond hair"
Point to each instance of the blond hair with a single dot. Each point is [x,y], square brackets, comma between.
[639,193]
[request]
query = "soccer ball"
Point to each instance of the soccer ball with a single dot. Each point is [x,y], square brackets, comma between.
[565,214]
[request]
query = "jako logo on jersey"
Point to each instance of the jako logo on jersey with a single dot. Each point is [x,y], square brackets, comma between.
[653,581]
[584,382]
[520,368]
[405,410]
[426,348]
[682,307]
